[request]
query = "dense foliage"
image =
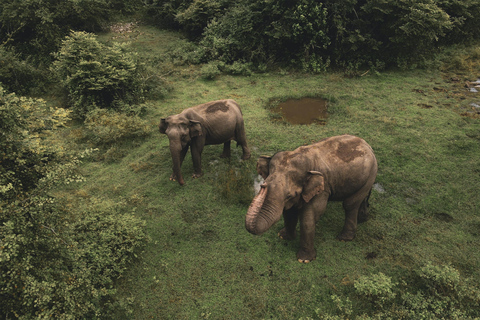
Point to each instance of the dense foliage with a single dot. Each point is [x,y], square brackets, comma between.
[441,292]
[96,75]
[18,75]
[36,27]
[55,260]
[315,34]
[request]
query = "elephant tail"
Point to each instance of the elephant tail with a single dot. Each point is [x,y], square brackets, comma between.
[363,210]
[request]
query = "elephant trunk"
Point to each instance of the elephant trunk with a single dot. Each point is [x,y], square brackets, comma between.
[176,164]
[261,215]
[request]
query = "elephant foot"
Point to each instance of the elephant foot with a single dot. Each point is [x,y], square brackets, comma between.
[306,256]
[283,234]
[173,177]
[246,156]
[197,175]
[346,236]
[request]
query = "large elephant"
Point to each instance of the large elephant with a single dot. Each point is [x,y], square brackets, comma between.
[299,183]
[213,122]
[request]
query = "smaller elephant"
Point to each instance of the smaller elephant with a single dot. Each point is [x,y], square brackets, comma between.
[299,183]
[214,122]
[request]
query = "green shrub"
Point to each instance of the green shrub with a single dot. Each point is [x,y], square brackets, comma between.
[18,75]
[56,261]
[210,70]
[349,34]
[96,75]
[198,14]
[104,127]
[445,295]
[36,27]
[163,12]
[378,288]
[62,265]
[25,148]
[440,293]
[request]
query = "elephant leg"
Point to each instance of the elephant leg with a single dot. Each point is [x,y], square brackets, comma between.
[183,153]
[363,210]
[226,150]
[352,206]
[197,149]
[308,220]
[290,218]
[241,139]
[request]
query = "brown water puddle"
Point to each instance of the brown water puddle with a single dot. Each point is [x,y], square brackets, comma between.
[303,111]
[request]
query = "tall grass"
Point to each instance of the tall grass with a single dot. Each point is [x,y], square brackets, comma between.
[201,263]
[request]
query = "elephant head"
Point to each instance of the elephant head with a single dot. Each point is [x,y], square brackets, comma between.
[180,130]
[288,182]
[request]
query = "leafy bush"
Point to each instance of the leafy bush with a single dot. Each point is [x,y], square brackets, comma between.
[378,288]
[198,14]
[36,27]
[313,35]
[18,75]
[210,70]
[54,262]
[25,149]
[107,126]
[96,75]
[163,12]
[442,293]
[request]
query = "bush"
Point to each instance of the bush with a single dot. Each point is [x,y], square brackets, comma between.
[61,265]
[194,18]
[96,75]
[313,35]
[36,27]
[378,288]
[441,293]
[54,262]
[18,75]
[210,70]
[106,126]
[25,148]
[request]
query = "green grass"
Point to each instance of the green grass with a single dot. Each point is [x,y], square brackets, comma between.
[201,263]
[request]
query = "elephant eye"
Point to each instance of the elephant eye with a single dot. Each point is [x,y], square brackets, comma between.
[290,196]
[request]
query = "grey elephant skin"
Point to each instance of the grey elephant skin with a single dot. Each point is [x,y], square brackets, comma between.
[299,183]
[214,122]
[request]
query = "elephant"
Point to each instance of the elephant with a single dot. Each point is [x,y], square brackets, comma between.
[214,122]
[299,183]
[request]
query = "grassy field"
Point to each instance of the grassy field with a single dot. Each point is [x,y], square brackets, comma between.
[201,263]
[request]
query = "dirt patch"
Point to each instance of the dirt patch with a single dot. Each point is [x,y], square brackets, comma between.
[303,111]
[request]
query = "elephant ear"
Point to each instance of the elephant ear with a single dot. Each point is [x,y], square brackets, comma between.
[162,127]
[195,128]
[263,166]
[314,185]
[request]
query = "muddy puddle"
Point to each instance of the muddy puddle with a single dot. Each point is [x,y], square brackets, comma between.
[303,111]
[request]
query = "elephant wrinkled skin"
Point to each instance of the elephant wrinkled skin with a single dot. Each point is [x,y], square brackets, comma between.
[299,183]
[214,122]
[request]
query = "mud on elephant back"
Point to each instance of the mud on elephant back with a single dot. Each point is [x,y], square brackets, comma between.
[214,122]
[299,183]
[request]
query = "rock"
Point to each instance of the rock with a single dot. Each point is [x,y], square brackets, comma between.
[476,106]
[379,188]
